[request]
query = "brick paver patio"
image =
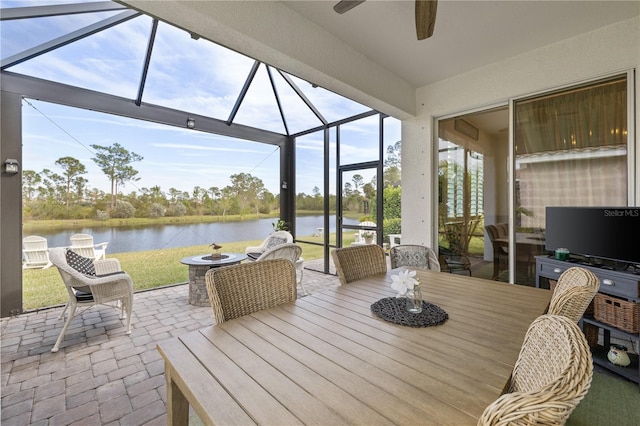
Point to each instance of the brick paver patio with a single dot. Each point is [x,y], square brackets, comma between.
[100,376]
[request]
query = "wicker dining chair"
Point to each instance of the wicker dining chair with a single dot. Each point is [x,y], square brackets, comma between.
[551,376]
[356,262]
[574,291]
[415,256]
[239,290]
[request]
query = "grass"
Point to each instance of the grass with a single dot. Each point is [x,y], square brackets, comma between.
[148,269]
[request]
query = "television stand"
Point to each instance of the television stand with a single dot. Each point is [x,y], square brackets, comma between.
[623,284]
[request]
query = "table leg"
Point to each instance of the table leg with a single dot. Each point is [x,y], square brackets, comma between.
[177,404]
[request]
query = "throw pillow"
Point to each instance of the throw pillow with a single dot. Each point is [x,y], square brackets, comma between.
[82,264]
[275,241]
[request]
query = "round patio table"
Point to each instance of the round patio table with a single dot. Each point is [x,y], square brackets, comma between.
[198,267]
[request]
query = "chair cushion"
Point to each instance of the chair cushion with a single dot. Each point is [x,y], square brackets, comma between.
[275,241]
[83,296]
[82,264]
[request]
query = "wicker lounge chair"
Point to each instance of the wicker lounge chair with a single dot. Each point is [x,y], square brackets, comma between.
[277,238]
[551,376]
[415,256]
[91,283]
[357,262]
[576,288]
[238,290]
[288,251]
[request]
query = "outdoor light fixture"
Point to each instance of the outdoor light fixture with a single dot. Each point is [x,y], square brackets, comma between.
[191,123]
[10,166]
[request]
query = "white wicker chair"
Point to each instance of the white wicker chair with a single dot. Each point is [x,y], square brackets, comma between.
[551,376]
[278,237]
[290,252]
[110,284]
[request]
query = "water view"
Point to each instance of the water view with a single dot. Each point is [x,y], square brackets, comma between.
[126,239]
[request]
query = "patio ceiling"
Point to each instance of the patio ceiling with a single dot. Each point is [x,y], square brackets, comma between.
[112,52]
[370,54]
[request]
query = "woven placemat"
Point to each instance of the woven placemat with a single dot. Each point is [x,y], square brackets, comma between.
[394,309]
[222,256]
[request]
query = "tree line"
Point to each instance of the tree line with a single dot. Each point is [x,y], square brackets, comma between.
[66,194]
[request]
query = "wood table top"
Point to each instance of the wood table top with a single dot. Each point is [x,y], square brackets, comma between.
[327,359]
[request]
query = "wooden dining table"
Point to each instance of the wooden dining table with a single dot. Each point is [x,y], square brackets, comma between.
[326,359]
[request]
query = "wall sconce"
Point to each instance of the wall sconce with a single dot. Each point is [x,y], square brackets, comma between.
[10,166]
[284,184]
[191,123]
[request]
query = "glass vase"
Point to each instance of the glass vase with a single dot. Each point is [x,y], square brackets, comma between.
[414,300]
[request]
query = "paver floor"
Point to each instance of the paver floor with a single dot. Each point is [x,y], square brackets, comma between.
[100,376]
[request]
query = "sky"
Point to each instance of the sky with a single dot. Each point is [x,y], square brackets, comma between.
[191,75]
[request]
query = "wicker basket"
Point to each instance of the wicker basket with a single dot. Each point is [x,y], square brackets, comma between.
[590,309]
[617,312]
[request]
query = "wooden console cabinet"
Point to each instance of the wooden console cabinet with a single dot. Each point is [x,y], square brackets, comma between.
[614,283]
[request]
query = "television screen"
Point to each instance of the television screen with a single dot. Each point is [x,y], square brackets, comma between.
[611,233]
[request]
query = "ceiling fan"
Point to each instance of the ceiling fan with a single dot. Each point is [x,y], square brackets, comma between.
[425,14]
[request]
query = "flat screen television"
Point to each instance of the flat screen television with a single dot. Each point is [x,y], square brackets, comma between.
[610,233]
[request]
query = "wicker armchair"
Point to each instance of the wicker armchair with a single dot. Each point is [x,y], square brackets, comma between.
[109,284]
[357,262]
[415,256]
[551,376]
[238,290]
[576,288]
[289,251]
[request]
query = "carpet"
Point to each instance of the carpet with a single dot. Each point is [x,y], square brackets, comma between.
[611,400]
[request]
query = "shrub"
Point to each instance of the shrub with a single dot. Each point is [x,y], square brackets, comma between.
[123,209]
[102,215]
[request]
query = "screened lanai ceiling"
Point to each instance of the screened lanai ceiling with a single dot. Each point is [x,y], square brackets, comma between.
[104,47]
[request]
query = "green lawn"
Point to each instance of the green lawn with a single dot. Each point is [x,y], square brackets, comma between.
[148,269]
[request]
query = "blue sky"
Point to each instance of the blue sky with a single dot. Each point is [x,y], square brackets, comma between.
[194,76]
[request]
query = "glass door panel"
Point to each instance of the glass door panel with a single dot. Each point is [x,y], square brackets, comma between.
[473,191]
[358,197]
[570,150]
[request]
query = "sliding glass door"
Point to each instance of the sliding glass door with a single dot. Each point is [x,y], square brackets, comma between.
[570,150]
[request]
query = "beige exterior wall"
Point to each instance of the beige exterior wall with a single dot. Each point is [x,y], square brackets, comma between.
[607,51]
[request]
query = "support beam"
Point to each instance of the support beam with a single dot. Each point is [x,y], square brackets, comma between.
[44,90]
[11,206]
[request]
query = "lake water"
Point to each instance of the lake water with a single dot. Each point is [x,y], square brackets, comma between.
[125,239]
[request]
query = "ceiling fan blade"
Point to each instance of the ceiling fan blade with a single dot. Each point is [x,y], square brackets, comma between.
[346,5]
[425,18]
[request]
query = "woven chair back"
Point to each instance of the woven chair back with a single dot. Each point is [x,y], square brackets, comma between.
[415,256]
[576,288]
[552,375]
[288,251]
[239,290]
[357,262]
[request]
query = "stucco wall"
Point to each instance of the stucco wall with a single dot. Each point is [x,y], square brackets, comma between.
[609,50]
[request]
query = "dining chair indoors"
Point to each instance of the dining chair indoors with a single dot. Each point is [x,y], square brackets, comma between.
[239,290]
[92,282]
[574,291]
[415,256]
[357,262]
[551,376]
